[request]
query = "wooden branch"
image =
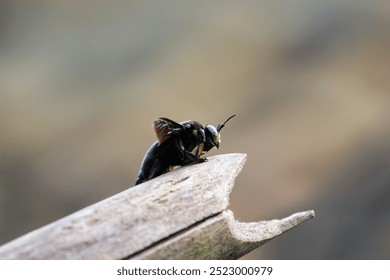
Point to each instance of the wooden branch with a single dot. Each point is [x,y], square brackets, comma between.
[221,237]
[166,211]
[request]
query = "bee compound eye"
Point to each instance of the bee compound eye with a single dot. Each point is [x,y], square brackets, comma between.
[212,130]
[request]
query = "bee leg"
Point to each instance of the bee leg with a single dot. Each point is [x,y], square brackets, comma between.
[189,158]
[186,156]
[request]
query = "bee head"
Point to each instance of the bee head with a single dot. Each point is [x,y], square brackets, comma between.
[213,136]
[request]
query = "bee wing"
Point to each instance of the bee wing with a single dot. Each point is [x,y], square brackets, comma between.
[164,127]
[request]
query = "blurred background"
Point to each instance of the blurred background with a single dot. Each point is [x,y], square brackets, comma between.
[81,82]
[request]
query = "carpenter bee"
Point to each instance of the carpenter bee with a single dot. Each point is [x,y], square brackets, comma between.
[178,144]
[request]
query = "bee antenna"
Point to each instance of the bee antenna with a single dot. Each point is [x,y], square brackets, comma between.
[220,126]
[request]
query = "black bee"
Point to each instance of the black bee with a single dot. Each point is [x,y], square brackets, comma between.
[178,144]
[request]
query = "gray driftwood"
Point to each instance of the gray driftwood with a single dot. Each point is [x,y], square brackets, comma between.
[179,215]
[221,237]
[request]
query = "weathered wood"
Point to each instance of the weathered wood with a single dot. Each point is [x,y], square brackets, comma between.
[222,237]
[131,221]
[179,215]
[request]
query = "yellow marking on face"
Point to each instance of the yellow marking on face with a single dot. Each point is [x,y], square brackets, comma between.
[200,150]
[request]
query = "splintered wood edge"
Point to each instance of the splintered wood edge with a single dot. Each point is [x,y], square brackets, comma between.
[222,237]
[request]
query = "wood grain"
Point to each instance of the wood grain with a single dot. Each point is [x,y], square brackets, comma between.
[179,215]
[134,219]
[222,237]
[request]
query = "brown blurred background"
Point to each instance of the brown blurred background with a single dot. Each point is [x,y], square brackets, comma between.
[82,81]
